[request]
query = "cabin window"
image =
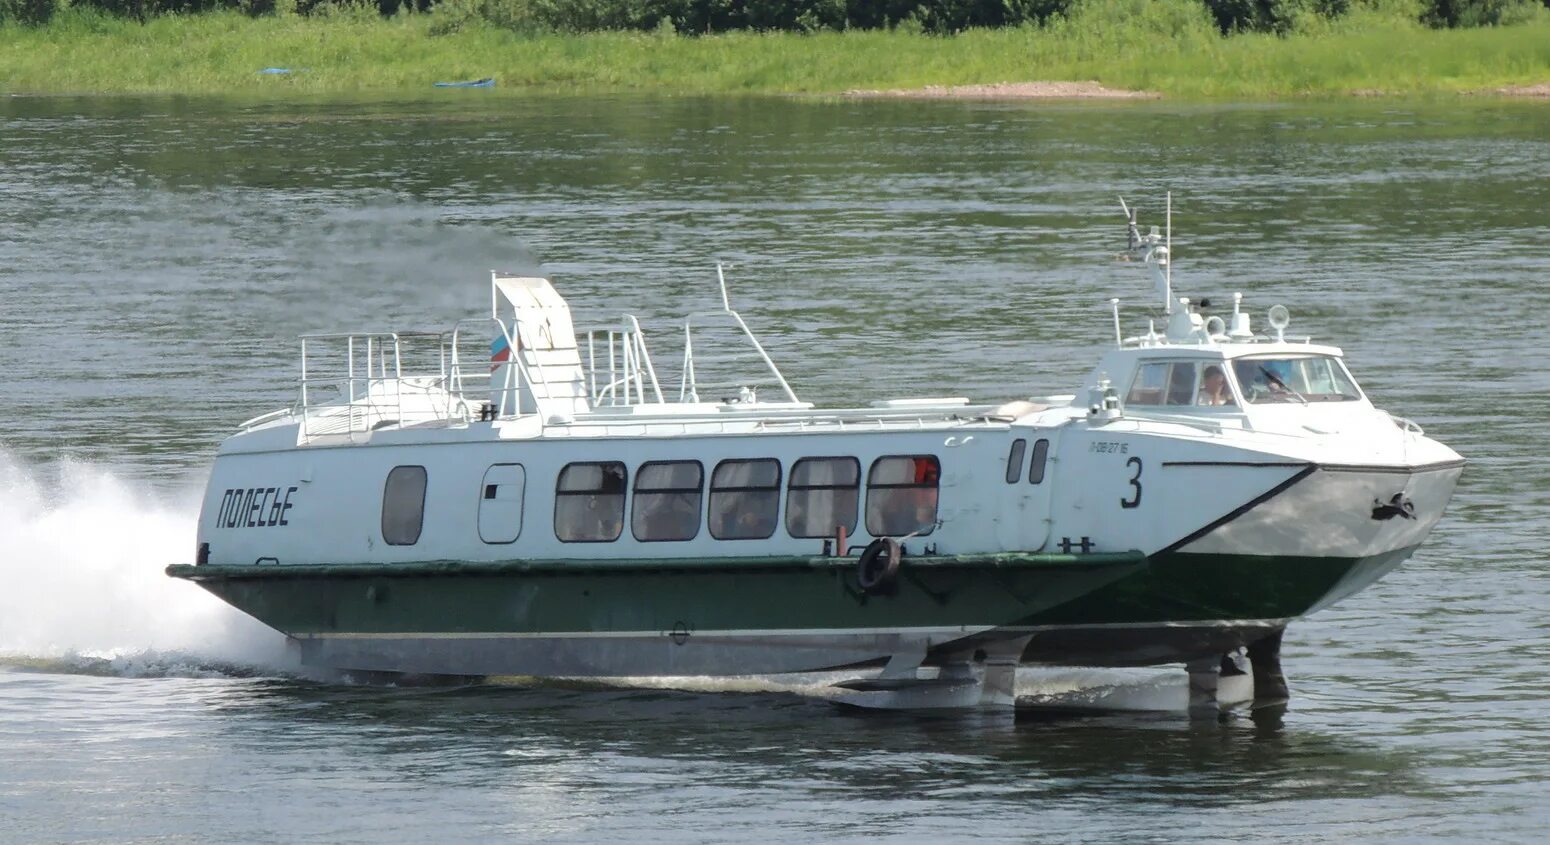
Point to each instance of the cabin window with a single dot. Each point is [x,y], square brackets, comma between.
[744,499]
[1040,457]
[1215,390]
[1163,383]
[902,495]
[500,503]
[589,502]
[1014,460]
[666,505]
[403,506]
[1300,378]
[822,496]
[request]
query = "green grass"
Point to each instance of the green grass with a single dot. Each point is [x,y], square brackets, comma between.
[222,52]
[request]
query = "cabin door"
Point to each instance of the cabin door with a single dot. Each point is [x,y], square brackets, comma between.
[500,503]
[1025,514]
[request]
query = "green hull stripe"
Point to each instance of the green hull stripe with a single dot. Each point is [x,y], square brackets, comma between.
[739,596]
[785,594]
[1002,560]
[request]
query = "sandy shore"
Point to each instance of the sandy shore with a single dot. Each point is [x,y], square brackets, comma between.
[1540,90]
[1094,91]
[1010,91]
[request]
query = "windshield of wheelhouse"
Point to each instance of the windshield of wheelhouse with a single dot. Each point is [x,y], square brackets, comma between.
[1294,378]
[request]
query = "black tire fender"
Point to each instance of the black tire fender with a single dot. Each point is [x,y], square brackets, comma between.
[879,565]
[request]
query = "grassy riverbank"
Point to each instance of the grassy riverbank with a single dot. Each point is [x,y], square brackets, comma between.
[222,53]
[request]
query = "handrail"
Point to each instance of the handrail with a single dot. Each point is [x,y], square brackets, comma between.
[374,387]
[645,355]
[458,377]
[1180,419]
[628,365]
[389,333]
[1218,427]
[509,389]
[263,418]
[759,347]
[1407,425]
[770,417]
[689,386]
[516,355]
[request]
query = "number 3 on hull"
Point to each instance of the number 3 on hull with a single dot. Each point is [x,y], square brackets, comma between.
[1135,483]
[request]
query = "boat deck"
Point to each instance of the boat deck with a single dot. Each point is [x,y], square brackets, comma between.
[355,423]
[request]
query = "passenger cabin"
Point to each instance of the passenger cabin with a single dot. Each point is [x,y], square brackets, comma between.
[567,436]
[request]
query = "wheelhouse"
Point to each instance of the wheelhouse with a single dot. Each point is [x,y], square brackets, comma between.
[1178,381]
[1292,377]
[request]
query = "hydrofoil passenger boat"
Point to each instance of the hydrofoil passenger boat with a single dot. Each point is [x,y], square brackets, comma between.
[441,503]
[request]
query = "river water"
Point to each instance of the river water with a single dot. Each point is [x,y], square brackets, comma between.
[158,256]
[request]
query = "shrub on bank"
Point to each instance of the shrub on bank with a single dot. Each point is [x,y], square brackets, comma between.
[949,16]
[710,16]
[1471,13]
[29,12]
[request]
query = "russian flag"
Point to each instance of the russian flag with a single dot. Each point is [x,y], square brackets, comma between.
[500,352]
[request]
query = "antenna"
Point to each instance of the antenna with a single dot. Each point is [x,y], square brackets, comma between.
[1119,342]
[1168,268]
[1158,255]
[726,304]
[1130,217]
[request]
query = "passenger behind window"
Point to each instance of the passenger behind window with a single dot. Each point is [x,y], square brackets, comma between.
[668,517]
[902,496]
[589,502]
[1213,388]
[744,499]
[667,501]
[1267,380]
[822,495]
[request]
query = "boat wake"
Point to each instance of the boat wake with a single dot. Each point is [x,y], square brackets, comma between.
[82,588]
[1078,690]
[1051,690]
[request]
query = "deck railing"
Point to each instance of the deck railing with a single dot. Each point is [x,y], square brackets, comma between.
[354,383]
[624,375]
[358,382]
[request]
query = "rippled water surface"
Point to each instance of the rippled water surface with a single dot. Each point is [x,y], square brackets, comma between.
[157,258]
